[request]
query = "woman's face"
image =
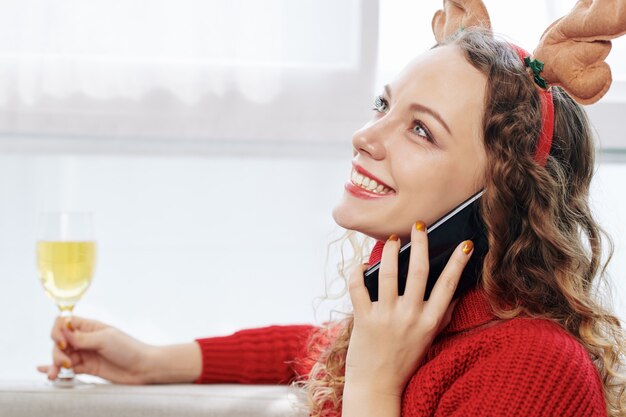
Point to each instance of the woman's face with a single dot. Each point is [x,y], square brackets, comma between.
[424,144]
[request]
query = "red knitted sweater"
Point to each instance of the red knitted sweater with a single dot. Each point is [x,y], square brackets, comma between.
[477,366]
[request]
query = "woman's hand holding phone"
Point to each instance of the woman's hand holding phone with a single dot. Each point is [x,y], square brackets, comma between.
[391,336]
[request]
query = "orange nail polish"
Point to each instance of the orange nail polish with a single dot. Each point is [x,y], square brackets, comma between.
[66,364]
[69,326]
[62,345]
[468,246]
[420,225]
[393,237]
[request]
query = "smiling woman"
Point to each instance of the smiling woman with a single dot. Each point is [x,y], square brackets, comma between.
[535,305]
[409,149]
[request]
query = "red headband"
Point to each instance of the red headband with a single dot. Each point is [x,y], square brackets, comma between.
[547,117]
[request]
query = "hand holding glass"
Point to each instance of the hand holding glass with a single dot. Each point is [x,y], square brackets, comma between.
[66,253]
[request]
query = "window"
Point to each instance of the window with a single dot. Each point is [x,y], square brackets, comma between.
[129,74]
[227,76]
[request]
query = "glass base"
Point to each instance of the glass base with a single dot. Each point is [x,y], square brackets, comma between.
[64,383]
[67,379]
[73,383]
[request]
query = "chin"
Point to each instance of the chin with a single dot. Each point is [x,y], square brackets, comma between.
[342,216]
[355,220]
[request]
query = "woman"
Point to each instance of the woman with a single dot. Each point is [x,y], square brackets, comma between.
[530,339]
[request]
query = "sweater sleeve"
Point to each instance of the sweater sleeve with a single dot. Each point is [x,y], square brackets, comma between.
[266,355]
[539,373]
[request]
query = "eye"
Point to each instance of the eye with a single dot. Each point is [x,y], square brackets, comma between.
[420,130]
[380,104]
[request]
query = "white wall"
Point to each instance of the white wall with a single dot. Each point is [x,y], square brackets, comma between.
[190,246]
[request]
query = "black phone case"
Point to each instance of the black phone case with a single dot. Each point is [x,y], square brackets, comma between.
[459,224]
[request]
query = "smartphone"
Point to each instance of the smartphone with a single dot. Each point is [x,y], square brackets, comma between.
[444,235]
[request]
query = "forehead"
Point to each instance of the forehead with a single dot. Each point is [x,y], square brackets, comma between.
[443,79]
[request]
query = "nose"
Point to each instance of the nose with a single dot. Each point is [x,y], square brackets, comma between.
[368,139]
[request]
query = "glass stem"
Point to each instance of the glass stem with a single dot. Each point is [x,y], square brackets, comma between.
[66,374]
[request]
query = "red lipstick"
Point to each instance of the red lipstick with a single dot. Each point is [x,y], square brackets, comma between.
[363,171]
[363,193]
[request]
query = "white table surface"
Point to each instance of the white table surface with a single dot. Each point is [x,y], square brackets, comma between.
[40,398]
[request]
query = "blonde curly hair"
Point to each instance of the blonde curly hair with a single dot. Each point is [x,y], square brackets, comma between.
[545,246]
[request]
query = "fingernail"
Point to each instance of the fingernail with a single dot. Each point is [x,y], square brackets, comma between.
[468,246]
[69,326]
[393,237]
[420,225]
[62,345]
[66,364]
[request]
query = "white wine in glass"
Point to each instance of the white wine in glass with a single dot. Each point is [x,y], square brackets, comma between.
[66,254]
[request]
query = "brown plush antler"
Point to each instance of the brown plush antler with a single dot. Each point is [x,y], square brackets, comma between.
[457,14]
[574,47]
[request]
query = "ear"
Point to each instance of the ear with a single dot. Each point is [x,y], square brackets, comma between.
[574,48]
[458,14]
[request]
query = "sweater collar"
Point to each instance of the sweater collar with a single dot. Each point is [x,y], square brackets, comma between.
[472,310]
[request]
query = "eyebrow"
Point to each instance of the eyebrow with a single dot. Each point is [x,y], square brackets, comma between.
[422,108]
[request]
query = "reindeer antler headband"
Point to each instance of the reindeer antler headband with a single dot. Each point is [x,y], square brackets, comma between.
[571,52]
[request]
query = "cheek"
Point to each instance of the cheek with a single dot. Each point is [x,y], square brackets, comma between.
[426,172]
[428,189]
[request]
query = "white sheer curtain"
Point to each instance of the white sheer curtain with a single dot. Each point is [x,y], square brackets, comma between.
[279,70]
[215,75]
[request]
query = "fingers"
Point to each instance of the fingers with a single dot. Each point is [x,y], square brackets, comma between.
[66,339]
[84,340]
[49,370]
[419,265]
[388,272]
[62,323]
[57,334]
[53,371]
[448,315]
[88,363]
[77,332]
[445,286]
[60,358]
[77,362]
[358,291]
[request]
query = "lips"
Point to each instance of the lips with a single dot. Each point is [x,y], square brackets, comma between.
[360,192]
[371,176]
[364,185]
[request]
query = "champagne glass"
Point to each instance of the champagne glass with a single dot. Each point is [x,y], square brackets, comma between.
[66,252]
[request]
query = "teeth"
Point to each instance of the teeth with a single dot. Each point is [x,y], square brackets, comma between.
[368,183]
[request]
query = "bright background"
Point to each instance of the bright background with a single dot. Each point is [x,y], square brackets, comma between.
[212,139]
